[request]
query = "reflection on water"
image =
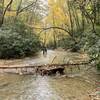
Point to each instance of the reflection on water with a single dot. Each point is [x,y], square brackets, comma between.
[16,87]
[44,90]
[32,87]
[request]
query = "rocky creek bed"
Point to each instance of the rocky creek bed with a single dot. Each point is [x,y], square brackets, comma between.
[76,85]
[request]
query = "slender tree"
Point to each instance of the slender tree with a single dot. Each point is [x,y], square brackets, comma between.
[1,11]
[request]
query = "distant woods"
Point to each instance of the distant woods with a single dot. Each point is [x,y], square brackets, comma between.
[17,40]
[70,24]
[76,14]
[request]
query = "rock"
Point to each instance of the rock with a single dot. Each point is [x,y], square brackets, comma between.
[95,95]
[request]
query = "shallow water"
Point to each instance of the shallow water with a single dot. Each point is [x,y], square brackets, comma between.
[27,87]
[51,57]
[32,87]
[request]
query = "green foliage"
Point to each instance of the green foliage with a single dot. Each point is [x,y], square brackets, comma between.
[17,41]
[98,66]
[68,43]
[65,43]
[92,45]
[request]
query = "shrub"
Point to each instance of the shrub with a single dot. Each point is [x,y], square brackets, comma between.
[98,66]
[93,46]
[68,43]
[18,41]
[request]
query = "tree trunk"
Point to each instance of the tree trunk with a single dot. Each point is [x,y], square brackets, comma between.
[1,11]
[83,21]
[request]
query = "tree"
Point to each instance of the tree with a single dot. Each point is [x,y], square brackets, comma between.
[3,11]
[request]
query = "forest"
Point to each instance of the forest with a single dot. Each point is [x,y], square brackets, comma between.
[65,27]
[68,24]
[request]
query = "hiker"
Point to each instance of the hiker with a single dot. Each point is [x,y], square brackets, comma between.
[44,51]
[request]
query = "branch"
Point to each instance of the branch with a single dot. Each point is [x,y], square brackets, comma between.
[53,27]
[21,10]
[6,10]
[56,27]
[7,7]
